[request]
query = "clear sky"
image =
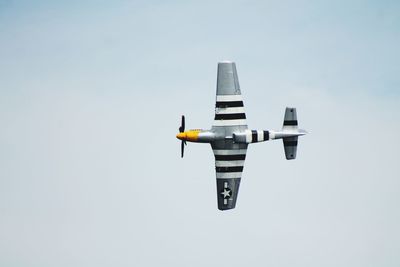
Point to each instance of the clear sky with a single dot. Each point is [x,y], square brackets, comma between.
[91,94]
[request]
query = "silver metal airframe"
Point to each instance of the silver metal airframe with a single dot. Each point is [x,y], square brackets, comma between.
[230,136]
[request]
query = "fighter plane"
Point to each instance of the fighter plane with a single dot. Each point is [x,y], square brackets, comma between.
[230,136]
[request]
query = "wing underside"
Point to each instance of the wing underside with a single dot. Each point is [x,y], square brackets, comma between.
[229,118]
[229,163]
[229,110]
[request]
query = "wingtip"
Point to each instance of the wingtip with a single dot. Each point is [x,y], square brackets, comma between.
[226,208]
[226,62]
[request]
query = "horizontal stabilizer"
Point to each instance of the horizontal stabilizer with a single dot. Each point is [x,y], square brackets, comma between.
[290,133]
[290,145]
[290,119]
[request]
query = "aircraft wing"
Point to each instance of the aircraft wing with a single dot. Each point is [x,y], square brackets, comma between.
[229,110]
[229,118]
[229,163]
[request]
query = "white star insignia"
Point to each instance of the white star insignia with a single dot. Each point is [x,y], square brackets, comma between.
[226,193]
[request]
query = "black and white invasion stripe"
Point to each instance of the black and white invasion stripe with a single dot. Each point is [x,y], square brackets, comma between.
[254,136]
[229,163]
[290,119]
[290,123]
[229,111]
[289,142]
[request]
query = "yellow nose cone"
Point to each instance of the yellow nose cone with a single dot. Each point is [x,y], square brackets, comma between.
[181,136]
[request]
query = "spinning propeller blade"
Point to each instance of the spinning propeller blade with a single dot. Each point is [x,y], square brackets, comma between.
[181,130]
[183,144]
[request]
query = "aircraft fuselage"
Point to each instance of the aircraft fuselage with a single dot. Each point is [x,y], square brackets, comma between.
[243,137]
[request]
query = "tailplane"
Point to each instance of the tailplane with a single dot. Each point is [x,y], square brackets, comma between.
[290,128]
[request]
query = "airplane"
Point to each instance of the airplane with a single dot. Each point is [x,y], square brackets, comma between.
[230,136]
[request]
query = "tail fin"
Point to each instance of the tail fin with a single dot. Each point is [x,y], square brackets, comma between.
[290,125]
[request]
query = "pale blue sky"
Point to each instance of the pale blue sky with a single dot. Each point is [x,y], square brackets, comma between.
[91,95]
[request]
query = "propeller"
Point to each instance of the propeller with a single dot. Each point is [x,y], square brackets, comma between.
[183,144]
[181,130]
